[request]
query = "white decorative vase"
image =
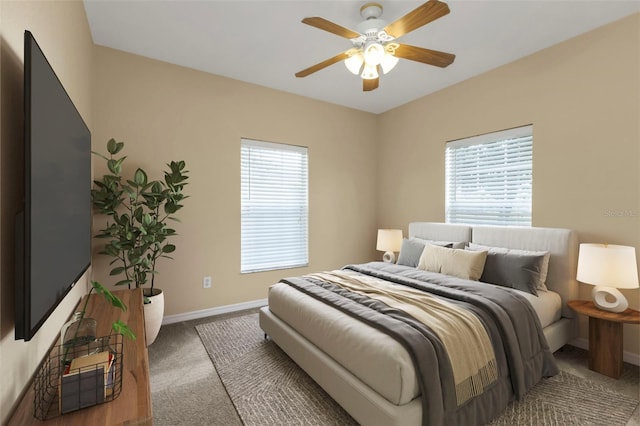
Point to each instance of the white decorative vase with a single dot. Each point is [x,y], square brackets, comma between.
[153,313]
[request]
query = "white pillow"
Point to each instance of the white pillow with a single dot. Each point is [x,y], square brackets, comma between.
[455,262]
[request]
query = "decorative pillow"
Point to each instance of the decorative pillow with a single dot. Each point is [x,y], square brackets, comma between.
[410,253]
[523,270]
[460,263]
[411,250]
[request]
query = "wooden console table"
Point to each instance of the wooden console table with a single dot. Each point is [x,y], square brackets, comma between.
[133,406]
[605,336]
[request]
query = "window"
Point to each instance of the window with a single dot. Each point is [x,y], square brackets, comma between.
[274,206]
[488,178]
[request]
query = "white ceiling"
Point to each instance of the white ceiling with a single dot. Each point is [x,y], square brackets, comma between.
[263,41]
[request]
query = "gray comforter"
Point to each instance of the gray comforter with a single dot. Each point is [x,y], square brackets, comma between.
[520,347]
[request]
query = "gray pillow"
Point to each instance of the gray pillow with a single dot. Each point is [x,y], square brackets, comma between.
[520,269]
[412,249]
[410,252]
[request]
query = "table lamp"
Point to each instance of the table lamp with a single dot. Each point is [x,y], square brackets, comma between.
[389,241]
[608,267]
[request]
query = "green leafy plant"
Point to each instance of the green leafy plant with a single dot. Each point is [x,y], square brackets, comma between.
[118,326]
[139,209]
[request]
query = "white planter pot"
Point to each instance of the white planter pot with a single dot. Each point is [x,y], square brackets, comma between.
[153,313]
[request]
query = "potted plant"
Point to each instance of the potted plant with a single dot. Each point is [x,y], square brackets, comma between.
[137,232]
[72,332]
[81,330]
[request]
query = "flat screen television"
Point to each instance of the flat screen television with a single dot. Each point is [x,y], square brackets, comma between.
[53,233]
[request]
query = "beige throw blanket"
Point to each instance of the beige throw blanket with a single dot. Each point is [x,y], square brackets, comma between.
[461,332]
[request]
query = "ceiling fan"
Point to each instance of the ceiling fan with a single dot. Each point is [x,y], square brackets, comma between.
[373,47]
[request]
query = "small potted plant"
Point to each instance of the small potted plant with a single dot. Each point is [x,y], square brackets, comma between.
[88,365]
[81,330]
[73,332]
[137,232]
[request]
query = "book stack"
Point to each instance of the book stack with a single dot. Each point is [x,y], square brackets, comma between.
[86,381]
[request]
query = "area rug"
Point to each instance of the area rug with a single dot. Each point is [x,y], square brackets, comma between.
[268,388]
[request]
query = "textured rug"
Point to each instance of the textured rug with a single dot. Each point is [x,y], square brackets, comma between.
[268,388]
[264,384]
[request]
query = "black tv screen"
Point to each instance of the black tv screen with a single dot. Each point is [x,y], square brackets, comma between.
[54,234]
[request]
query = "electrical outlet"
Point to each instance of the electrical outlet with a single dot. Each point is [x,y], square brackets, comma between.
[206,282]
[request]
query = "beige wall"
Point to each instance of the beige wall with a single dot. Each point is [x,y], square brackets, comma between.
[583,99]
[164,112]
[62,32]
[582,96]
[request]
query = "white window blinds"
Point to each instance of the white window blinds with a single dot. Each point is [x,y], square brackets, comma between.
[274,206]
[488,178]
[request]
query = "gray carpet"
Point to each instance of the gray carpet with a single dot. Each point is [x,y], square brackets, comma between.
[187,391]
[264,384]
[185,388]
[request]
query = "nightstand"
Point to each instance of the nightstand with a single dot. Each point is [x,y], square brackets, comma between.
[605,336]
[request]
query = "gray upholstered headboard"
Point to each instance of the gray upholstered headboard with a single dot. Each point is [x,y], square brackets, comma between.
[440,231]
[561,243]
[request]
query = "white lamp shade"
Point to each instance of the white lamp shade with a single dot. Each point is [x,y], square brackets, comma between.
[388,62]
[608,265]
[369,72]
[354,63]
[373,53]
[389,240]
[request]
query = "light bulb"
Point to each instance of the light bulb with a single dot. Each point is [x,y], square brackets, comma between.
[370,72]
[373,53]
[388,62]
[354,63]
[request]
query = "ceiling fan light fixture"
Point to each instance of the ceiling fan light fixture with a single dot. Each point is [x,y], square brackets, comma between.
[370,72]
[374,50]
[388,62]
[354,63]
[373,53]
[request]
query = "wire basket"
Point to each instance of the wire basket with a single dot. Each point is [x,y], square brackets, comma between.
[75,377]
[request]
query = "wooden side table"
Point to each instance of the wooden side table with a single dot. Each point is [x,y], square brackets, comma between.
[605,336]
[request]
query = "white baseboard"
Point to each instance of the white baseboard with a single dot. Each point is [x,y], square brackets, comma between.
[629,357]
[187,316]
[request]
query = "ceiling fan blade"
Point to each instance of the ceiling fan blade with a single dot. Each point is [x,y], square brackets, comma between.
[422,15]
[329,26]
[426,56]
[370,84]
[317,67]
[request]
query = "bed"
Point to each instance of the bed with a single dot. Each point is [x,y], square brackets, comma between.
[379,378]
